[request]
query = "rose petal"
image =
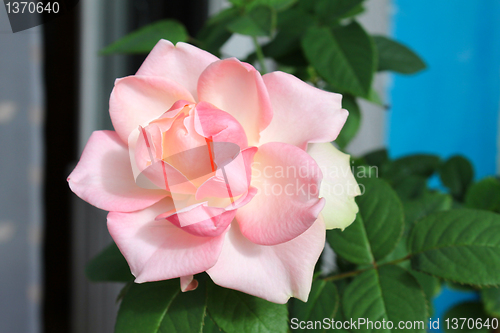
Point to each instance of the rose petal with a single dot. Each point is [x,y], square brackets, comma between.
[339,187]
[239,90]
[274,273]
[137,100]
[218,125]
[287,203]
[188,283]
[302,113]
[156,249]
[104,178]
[182,63]
[207,219]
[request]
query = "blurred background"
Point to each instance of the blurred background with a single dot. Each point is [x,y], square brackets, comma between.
[54,91]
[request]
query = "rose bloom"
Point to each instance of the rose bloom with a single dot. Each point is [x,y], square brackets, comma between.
[215,168]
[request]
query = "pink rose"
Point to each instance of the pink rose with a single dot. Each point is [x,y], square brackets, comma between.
[216,168]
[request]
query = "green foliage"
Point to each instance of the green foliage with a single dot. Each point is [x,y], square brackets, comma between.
[389,293]
[329,11]
[457,175]
[215,34]
[323,303]
[491,300]
[396,57]
[429,202]
[259,21]
[484,194]
[413,165]
[460,245]
[344,56]
[161,307]
[377,227]
[144,39]
[109,266]
[352,124]
[236,312]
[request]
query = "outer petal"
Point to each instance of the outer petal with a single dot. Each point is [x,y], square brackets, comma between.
[302,113]
[136,100]
[182,63]
[239,90]
[338,187]
[158,250]
[274,273]
[287,204]
[104,178]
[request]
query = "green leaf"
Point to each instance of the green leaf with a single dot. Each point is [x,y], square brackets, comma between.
[209,326]
[429,202]
[418,164]
[470,311]
[393,56]
[377,228]
[292,24]
[461,245]
[411,187]
[457,174]
[382,214]
[108,266]
[215,34]
[279,5]
[389,293]
[374,98]
[330,10]
[259,21]
[352,124]
[431,286]
[377,157]
[345,57]
[161,307]
[352,244]
[323,303]
[237,312]
[485,195]
[144,39]
[491,301]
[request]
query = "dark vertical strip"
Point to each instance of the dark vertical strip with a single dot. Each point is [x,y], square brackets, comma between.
[61,87]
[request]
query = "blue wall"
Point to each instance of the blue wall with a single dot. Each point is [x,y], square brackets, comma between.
[452,107]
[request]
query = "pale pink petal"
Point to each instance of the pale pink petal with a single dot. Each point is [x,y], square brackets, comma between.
[188,283]
[218,125]
[156,249]
[274,273]
[104,178]
[206,220]
[182,63]
[137,100]
[287,203]
[302,113]
[230,180]
[239,90]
